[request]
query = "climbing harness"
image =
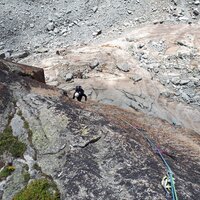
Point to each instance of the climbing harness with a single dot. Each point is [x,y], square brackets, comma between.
[170,175]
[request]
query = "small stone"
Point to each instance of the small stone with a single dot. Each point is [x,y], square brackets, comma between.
[33,173]
[94,64]
[85,76]
[41,50]
[123,67]
[155,22]
[58,15]
[50,19]
[197,98]
[32,25]
[68,12]
[126,24]
[175,2]
[2,55]
[50,26]
[76,22]
[156,70]
[197,82]
[130,39]
[22,54]
[95,9]
[175,80]
[64,31]
[136,78]
[98,32]
[177,67]
[69,77]
[137,19]
[184,18]
[71,24]
[191,93]
[196,3]
[144,56]
[99,69]
[184,82]
[191,84]
[56,30]
[196,11]
[5,54]
[140,46]
[78,74]
[185,97]
[54,83]
[154,9]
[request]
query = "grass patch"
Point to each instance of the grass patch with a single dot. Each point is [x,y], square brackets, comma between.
[6,171]
[27,127]
[40,189]
[26,124]
[11,144]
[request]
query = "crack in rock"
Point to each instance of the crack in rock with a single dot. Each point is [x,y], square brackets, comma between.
[56,152]
[94,140]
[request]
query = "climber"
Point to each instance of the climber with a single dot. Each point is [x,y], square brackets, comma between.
[79,93]
[166,183]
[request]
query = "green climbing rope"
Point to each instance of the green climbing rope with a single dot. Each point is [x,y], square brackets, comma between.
[154,147]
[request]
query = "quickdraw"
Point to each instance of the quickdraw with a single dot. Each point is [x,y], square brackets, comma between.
[166,183]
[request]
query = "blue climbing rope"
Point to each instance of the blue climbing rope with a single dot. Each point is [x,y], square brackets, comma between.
[154,147]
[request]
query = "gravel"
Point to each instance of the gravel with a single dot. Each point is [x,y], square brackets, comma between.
[49,23]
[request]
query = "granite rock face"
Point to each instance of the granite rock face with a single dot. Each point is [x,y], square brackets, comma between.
[87,149]
[159,72]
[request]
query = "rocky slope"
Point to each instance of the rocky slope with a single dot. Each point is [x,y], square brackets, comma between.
[87,149]
[30,25]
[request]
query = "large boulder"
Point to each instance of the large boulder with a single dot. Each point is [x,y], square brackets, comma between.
[23,70]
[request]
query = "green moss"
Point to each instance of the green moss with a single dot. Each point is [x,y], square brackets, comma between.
[37,167]
[40,189]
[25,173]
[5,172]
[19,113]
[11,144]
[26,177]
[26,125]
